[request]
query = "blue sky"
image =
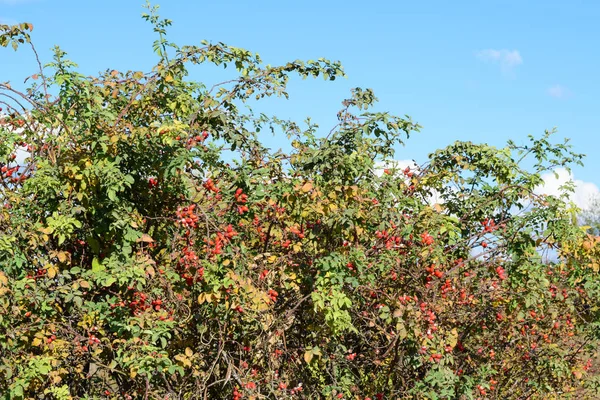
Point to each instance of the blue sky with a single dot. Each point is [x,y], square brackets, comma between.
[485,71]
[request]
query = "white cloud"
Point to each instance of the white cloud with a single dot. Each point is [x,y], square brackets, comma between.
[558,91]
[507,59]
[584,191]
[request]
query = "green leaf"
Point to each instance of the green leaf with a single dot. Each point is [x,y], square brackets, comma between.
[97,266]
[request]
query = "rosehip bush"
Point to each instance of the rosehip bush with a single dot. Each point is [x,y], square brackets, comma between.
[152,247]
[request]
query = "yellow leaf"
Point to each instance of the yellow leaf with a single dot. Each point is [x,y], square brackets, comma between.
[150,271]
[62,256]
[36,342]
[453,338]
[3,279]
[308,356]
[84,284]
[132,373]
[183,360]
[47,230]
[145,239]
[307,187]
[226,262]
[272,259]
[52,271]
[169,78]
[188,352]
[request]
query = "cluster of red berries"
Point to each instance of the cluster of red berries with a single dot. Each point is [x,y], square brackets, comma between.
[241,198]
[406,299]
[464,299]
[188,267]
[215,246]
[237,395]
[501,273]
[297,231]
[426,239]
[481,390]
[210,185]
[263,274]
[139,303]
[193,140]
[446,288]
[152,182]
[489,225]
[186,216]
[389,240]
[430,318]
[434,272]
[9,172]
[554,291]
[230,233]
[93,340]
[38,273]
[273,295]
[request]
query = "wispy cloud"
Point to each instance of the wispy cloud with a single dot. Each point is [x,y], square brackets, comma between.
[584,191]
[558,92]
[507,59]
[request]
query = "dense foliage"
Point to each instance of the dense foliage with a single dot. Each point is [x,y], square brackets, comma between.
[151,247]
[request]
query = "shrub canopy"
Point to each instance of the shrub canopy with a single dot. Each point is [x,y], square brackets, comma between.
[152,247]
